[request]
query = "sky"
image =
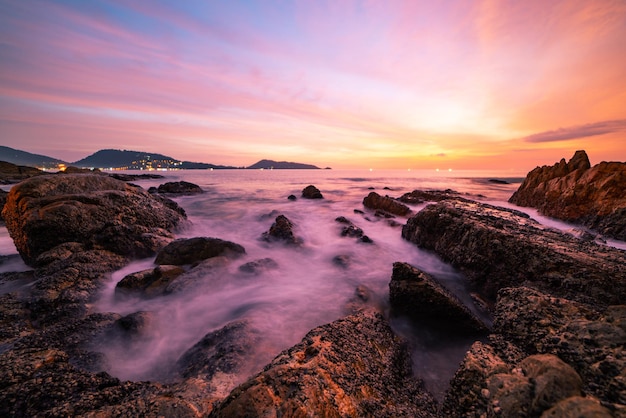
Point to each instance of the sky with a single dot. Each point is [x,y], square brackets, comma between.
[462,84]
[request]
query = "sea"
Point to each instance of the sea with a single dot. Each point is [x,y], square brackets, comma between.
[308,288]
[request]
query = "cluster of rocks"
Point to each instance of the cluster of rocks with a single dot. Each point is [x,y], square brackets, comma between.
[555,347]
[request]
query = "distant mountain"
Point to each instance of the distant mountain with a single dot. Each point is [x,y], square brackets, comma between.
[270,164]
[18,157]
[138,160]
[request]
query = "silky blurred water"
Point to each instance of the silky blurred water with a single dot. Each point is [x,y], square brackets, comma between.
[307,288]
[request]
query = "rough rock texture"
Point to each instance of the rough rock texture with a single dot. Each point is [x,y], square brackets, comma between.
[282,230]
[258,266]
[179,188]
[98,211]
[11,173]
[194,250]
[577,406]
[592,342]
[312,192]
[352,367]
[416,294]
[385,204]
[576,192]
[498,248]
[421,196]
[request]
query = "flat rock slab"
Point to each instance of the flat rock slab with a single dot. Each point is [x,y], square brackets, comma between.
[497,247]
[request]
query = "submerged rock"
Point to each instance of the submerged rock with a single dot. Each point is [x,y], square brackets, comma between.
[576,192]
[45,211]
[354,366]
[417,295]
[148,283]
[312,192]
[193,250]
[497,248]
[258,266]
[421,196]
[385,204]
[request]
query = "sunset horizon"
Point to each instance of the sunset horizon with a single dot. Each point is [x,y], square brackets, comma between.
[350,85]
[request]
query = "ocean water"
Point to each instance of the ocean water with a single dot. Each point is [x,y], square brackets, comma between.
[308,288]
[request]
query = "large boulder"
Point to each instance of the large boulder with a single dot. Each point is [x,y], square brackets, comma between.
[311,192]
[419,296]
[576,192]
[385,204]
[98,211]
[354,366]
[193,250]
[497,248]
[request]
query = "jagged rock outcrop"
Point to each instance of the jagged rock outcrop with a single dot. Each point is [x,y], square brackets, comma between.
[354,366]
[312,192]
[419,296]
[193,250]
[97,211]
[282,231]
[385,204]
[576,192]
[497,248]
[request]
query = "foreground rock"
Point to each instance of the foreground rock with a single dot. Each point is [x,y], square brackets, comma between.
[97,211]
[354,366]
[148,283]
[498,248]
[417,295]
[385,204]
[576,192]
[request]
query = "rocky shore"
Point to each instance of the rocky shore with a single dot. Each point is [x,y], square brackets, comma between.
[555,347]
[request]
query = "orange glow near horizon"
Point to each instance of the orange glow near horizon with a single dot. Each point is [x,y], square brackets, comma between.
[488,84]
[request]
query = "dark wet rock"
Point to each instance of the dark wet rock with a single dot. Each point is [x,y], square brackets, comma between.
[226,351]
[258,266]
[421,196]
[359,211]
[497,248]
[366,240]
[3,199]
[576,192]
[134,177]
[179,188]
[11,173]
[292,197]
[385,204]
[349,230]
[193,250]
[354,366]
[148,283]
[282,230]
[419,296]
[137,324]
[216,364]
[210,270]
[312,192]
[382,214]
[45,211]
